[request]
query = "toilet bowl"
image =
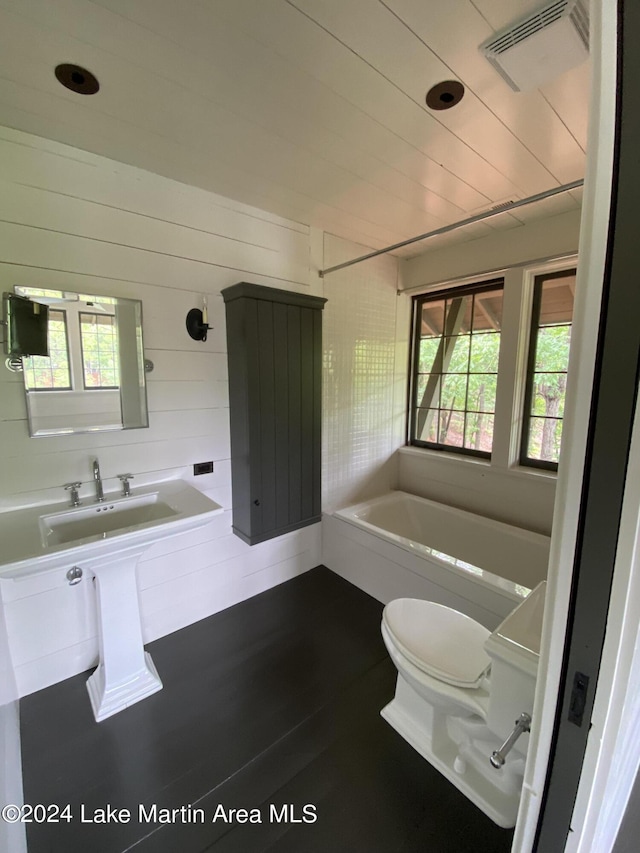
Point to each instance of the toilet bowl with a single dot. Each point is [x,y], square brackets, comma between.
[460,690]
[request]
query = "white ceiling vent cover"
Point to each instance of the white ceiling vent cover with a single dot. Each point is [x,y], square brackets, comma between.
[542,46]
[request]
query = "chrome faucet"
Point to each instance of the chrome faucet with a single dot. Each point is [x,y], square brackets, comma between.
[126,485]
[98,481]
[74,497]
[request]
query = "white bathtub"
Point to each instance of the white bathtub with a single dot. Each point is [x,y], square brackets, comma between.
[401,545]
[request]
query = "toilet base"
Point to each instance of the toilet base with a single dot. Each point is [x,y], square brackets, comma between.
[459,748]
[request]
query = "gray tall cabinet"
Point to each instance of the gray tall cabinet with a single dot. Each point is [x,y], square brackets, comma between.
[274,346]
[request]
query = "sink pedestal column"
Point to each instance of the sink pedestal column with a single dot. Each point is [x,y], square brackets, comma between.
[126,674]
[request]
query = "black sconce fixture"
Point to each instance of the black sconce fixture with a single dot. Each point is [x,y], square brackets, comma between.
[197,322]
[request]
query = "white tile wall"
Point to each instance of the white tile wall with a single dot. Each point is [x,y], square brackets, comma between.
[72,220]
[361,419]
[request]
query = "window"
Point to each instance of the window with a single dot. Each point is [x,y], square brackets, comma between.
[458,403]
[546,384]
[455,368]
[99,340]
[52,372]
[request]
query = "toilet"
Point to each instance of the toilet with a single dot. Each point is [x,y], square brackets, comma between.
[460,691]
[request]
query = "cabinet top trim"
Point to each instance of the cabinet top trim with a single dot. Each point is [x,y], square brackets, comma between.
[245,289]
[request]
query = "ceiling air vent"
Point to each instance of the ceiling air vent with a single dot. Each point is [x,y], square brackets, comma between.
[501,206]
[541,46]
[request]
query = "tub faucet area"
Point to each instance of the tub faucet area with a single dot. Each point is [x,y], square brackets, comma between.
[98,481]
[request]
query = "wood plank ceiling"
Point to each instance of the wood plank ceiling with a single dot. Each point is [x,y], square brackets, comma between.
[310,109]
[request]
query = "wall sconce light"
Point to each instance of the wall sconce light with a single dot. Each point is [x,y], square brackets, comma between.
[198,322]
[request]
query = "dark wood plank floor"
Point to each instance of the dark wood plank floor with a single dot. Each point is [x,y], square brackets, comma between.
[274,701]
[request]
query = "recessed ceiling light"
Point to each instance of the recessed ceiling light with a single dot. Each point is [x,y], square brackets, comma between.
[445,95]
[77,79]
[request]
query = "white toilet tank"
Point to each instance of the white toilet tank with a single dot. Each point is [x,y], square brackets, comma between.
[514,649]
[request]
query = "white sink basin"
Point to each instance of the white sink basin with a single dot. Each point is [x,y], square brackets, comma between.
[106,539]
[101,520]
[42,538]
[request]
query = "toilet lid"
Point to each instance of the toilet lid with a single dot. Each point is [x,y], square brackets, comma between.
[439,640]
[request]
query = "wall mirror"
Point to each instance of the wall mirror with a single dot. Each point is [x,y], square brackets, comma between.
[93,379]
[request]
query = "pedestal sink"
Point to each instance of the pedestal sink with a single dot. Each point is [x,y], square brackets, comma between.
[106,539]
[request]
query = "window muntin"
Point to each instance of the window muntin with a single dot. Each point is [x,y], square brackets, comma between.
[52,372]
[455,367]
[99,342]
[552,315]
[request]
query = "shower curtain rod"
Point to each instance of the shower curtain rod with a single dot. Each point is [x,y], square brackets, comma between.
[479,217]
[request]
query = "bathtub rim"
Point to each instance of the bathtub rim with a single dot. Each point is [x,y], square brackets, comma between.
[474,574]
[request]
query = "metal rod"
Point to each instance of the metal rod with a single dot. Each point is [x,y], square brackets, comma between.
[499,756]
[479,217]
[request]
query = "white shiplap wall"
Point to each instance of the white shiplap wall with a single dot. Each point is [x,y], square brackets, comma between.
[73,220]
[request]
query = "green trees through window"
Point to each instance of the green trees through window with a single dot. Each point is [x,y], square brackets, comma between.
[52,372]
[99,339]
[456,350]
[552,315]
[457,347]
[83,353]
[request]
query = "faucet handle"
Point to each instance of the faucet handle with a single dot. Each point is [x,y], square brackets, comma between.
[73,488]
[126,488]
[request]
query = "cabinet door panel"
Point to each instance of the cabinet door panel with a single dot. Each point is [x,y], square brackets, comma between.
[295,402]
[282,426]
[275,376]
[316,440]
[266,403]
[306,410]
